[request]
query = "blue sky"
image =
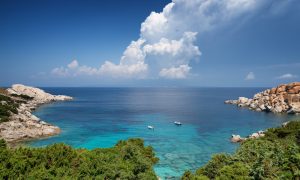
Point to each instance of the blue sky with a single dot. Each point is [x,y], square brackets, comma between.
[150,43]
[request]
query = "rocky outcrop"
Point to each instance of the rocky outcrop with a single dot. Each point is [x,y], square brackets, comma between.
[238,138]
[24,125]
[284,98]
[38,95]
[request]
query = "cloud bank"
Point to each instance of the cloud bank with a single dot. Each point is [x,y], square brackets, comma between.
[168,40]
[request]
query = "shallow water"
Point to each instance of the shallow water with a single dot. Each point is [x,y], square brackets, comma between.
[99,117]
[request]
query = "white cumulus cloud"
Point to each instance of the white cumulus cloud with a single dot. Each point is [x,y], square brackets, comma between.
[168,40]
[250,76]
[131,64]
[73,64]
[136,70]
[108,69]
[60,71]
[180,72]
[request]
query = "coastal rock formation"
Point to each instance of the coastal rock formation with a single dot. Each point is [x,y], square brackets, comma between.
[284,98]
[24,125]
[238,138]
[258,134]
[39,95]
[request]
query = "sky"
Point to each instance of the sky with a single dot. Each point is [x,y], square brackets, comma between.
[193,43]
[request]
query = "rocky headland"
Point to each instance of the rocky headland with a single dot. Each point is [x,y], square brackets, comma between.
[17,123]
[284,98]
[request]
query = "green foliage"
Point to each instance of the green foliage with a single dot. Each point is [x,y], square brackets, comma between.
[237,171]
[127,160]
[5,98]
[217,162]
[2,144]
[23,96]
[7,106]
[275,156]
[188,175]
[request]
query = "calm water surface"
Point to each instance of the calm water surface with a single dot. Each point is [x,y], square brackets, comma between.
[99,117]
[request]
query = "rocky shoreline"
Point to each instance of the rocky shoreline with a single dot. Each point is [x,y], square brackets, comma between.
[237,138]
[23,125]
[284,98]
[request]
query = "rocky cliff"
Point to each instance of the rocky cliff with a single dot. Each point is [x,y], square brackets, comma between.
[284,98]
[21,124]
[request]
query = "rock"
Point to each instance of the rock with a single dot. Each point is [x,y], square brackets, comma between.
[272,91]
[258,109]
[33,117]
[25,125]
[262,107]
[294,84]
[296,89]
[280,89]
[254,104]
[285,124]
[36,93]
[231,102]
[43,122]
[242,100]
[3,102]
[261,132]
[236,138]
[269,108]
[254,135]
[295,108]
[284,98]
[278,109]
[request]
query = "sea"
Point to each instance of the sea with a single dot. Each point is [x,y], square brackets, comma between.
[100,117]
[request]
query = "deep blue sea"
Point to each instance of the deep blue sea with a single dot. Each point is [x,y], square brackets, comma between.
[99,117]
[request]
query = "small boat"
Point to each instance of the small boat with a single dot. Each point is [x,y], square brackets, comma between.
[177,123]
[151,127]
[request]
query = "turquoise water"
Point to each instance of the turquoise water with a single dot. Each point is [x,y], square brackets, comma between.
[99,117]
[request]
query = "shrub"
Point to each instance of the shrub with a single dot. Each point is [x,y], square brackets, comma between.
[276,156]
[23,96]
[127,160]
[7,106]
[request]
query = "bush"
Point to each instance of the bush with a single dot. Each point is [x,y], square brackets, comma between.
[127,160]
[7,107]
[276,156]
[23,96]
[237,171]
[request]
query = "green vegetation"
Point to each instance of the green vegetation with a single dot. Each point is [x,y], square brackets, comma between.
[7,106]
[10,103]
[126,160]
[275,156]
[23,96]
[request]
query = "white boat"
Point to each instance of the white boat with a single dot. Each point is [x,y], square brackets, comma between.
[151,127]
[177,123]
